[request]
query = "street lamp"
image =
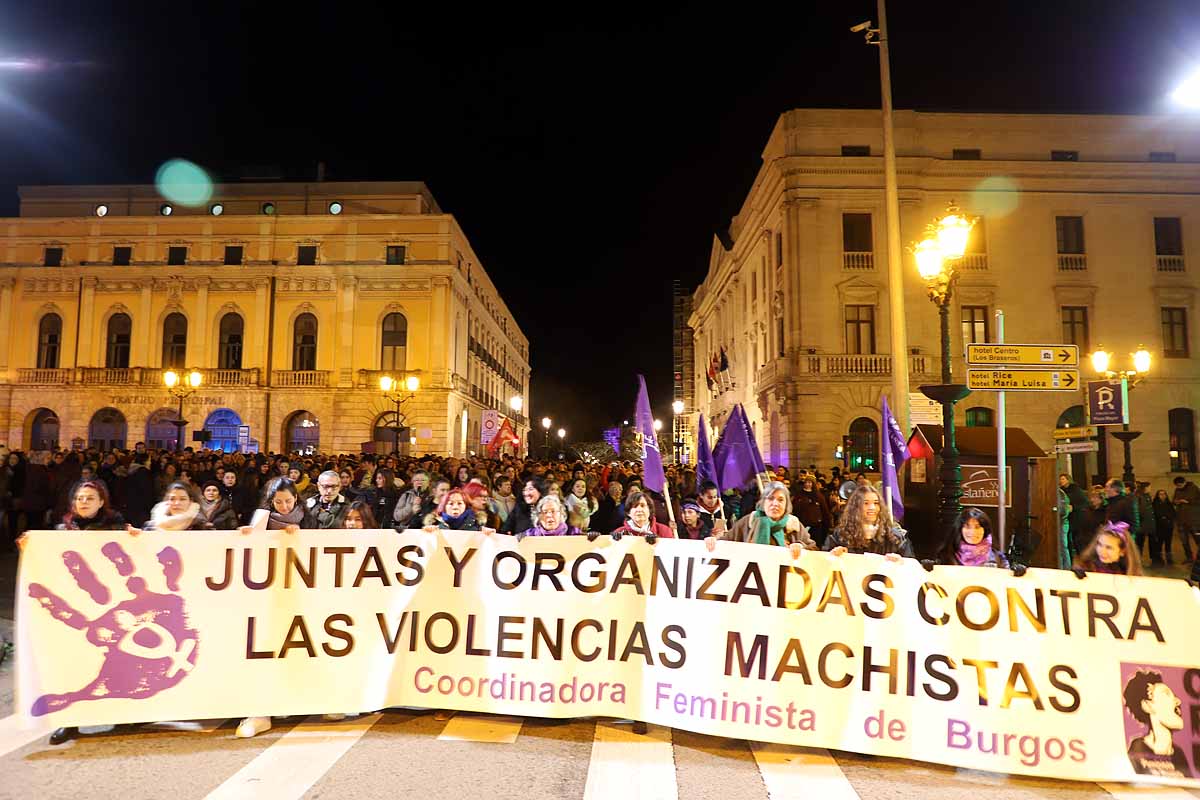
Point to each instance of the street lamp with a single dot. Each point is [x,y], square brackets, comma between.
[944,243]
[181,387]
[562,434]
[1102,362]
[398,392]
[516,403]
[657,425]
[546,423]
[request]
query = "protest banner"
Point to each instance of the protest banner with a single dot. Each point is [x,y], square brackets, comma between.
[1046,674]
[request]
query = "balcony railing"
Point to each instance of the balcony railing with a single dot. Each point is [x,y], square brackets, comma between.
[290,378]
[838,366]
[49,377]
[231,377]
[108,376]
[1072,262]
[973,262]
[1170,263]
[858,261]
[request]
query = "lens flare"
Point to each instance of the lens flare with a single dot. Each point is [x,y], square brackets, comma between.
[183,182]
[995,196]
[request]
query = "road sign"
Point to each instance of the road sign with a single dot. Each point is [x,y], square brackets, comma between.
[1023,355]
[1077,447]
[923,411]
[1108,402]
[1085,432]
[1022,380]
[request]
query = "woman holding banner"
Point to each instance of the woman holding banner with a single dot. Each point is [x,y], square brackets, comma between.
[771,523]
[91,509]
[971,544]
[454,513]
[551,519]
[866,526]
[639,520]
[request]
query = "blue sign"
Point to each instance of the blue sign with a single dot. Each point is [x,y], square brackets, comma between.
[1108,402]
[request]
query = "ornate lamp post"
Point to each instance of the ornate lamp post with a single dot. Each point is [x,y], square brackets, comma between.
[1101,363]
[546,423]
[181,387]
[944,243]
[398,392]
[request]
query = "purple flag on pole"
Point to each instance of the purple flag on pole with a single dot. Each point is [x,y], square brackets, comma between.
[895,453]
[736,455]
[706,470]
[643,425]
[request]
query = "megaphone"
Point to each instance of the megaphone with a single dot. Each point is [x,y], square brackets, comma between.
[847,489]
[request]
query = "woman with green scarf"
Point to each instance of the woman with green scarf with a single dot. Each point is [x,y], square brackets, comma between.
[771,523]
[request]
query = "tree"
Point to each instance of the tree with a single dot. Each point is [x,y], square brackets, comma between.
[594,452]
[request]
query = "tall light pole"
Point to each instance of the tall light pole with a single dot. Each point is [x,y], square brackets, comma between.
[1101,362]
[879,36]
[943,245]
[562,435]
[395,391]
[546,423]
[181,387]
[677,430]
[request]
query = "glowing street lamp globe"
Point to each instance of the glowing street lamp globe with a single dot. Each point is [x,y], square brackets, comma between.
[516,403]
[546,423]
[387,383]
[562,433]
[194,379]
[930,258]
[1100,360]
[952,233]
[412,383]
[658,425]
[677,407]
[1141,360]
[171,378]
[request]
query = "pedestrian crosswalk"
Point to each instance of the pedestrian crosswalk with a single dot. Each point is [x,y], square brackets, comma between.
[312,757]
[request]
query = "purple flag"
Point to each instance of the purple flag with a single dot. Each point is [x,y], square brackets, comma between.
[736,455]
[895,453]
[706,470]
[643,425]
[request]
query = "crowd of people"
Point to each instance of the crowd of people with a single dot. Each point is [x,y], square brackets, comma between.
[1107,528]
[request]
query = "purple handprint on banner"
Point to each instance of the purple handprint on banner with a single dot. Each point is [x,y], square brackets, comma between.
[147,643]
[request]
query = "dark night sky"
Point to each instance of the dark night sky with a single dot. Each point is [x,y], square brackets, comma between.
[589,155]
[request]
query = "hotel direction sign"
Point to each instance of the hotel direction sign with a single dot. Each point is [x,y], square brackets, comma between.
[1023,355]
[1023,380]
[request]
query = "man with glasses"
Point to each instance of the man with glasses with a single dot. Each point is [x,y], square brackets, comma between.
[328,508]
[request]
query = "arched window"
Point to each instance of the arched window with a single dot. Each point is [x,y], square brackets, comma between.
[223,425]
[302,433]
[107,430]
[43,430]
[1181,425]
[390,434]
[174,341]
[116,354]
[394,343]
[49,341]
[304,343]
[864,445]
[980,417]
[161,431]
[229,349]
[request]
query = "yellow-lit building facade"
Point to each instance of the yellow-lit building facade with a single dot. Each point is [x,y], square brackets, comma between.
[292,300]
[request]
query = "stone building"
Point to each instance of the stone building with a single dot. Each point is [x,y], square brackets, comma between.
[1087,234]
[291,299]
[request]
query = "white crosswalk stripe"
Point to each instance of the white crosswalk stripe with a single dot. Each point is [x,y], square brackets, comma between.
[796,772]
[1133,791]
[482,728]
[631,767]
[15,733]
[289,767]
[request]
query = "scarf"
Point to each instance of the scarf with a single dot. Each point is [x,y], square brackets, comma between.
[561,530]
[277,521]
[633,528]
[975,555]
[768,531]
[209,509]
[456,523]
[161,520]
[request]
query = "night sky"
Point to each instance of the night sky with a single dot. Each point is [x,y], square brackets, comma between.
[589,154]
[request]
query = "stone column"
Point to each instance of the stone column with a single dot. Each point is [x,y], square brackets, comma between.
[259,333]
[6,301]
[142,349]
[200,336]
[343,345]
[87,336]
